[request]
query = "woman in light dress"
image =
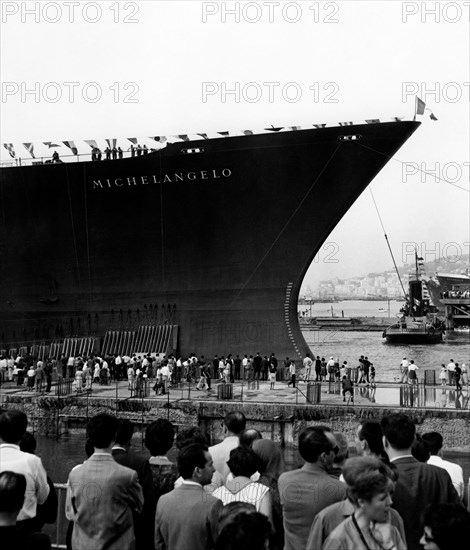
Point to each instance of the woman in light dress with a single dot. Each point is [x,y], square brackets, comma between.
[243,464]
[443,375]
[79,379]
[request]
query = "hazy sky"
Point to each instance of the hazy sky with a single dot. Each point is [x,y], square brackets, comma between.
[141,69]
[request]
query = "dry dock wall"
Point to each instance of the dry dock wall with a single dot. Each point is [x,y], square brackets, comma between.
[280,422]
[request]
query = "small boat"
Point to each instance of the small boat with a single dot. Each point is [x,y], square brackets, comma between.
[418,322]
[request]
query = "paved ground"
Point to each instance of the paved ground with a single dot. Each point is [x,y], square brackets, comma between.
[383,394]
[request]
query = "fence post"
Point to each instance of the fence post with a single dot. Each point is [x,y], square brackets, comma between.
[117,396]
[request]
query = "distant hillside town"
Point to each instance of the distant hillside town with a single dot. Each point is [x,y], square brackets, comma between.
[384,285]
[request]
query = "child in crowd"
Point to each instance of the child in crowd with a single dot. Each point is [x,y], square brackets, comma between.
[272,376]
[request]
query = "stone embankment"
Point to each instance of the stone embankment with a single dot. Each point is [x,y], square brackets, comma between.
[357,324]
[281,420]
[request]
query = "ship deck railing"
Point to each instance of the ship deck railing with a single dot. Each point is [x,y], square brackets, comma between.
[79,157]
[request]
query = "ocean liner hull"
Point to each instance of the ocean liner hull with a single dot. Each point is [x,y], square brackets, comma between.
[214,236]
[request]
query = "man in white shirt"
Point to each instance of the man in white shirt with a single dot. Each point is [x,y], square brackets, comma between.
[307,367]
[3,368]
[413,373]
[245,367]
[12,428]
[404,370]
[434,442]
[235,423]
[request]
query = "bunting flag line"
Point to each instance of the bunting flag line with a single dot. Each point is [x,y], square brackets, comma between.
[9,147]
[30,148]
[71,146]
[36,150]
[432,116]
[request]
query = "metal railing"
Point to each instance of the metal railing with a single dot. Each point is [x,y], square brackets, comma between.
[79,157]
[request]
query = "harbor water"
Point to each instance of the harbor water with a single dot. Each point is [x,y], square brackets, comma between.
[352,308]
[386,357]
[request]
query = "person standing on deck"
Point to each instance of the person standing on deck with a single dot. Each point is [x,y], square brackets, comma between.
[404,370]
[307,362]
[292,374]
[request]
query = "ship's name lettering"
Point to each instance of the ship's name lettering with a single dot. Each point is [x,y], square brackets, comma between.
[132,181]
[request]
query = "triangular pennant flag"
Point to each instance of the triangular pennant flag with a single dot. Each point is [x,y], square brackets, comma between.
[223,133]
[295,128]
[319,125]
[432,116]
[373,120]
[133,140]
[91,142]
[71,146]
[184,137]
[346,123]
[30,148]
[51,144]
[111,143]
[204,136]
[420,106]
[11,150]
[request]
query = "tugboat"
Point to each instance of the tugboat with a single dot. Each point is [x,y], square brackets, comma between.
[418,322]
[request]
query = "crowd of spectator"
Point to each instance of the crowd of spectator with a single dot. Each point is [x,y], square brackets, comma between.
[395,493]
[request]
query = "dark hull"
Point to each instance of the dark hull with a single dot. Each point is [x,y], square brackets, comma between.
[220,250]
[413,338]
